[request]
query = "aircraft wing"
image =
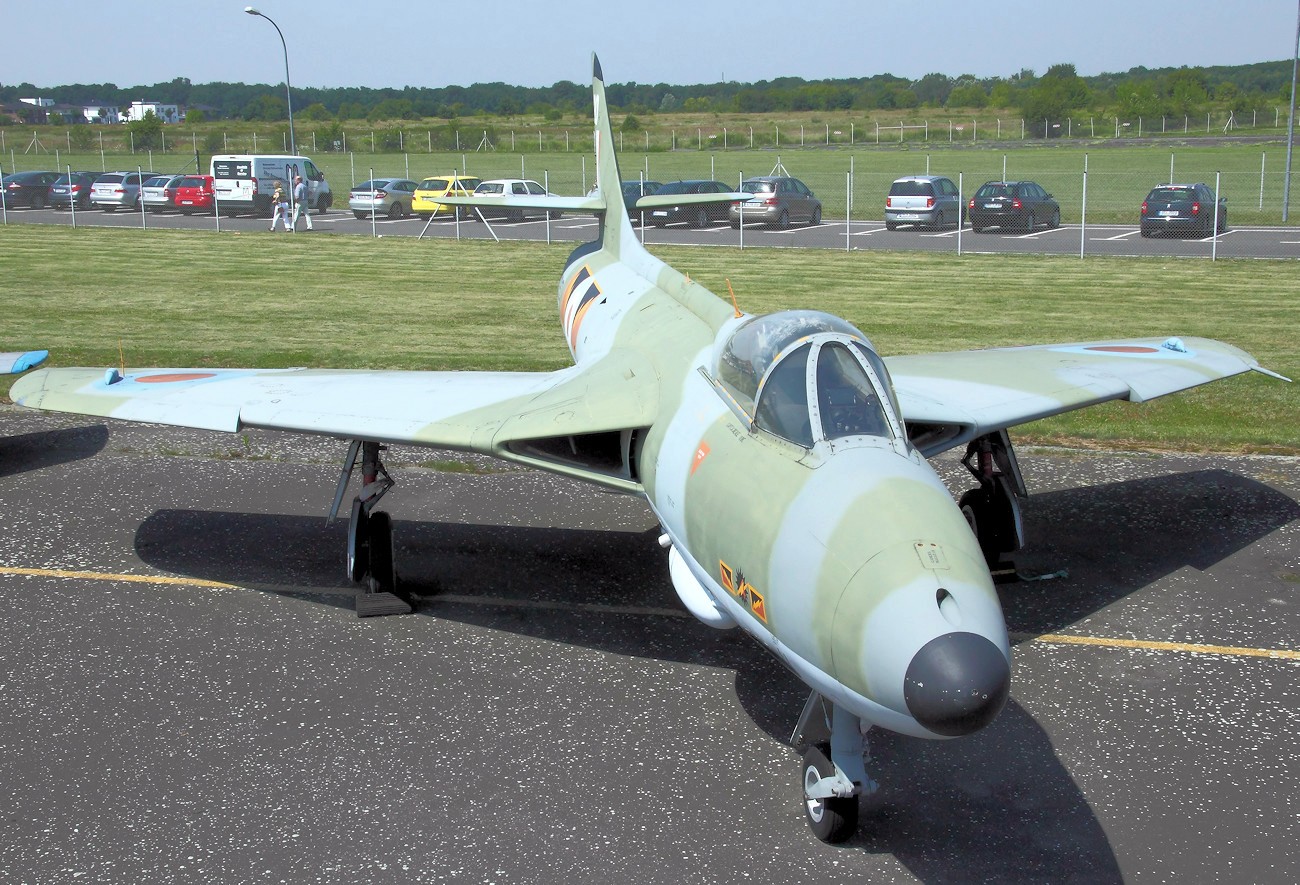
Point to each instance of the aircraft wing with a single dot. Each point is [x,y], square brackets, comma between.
[549,202]
[949,398]
[21,361]
[495,413]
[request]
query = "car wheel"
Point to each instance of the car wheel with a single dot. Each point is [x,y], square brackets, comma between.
[38,201]
[939,221]
[701,218]
[976,229]
[816,218]
[361,216]
[110,208]
[891,225]
[323,204]
[783,221]
[1223,222]
[1056,219]
[1031,222]
[1146,232]
[395,210]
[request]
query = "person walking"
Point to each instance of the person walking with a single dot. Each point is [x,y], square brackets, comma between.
[300,207]
[280,202]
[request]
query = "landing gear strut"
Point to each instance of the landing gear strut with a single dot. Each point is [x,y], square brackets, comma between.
[370,561]
[993,509]
[833,774]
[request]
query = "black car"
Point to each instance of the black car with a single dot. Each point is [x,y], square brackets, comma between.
[1183,208]
[27,189]
[694,214]
[1022,205]
[63,193]
[635,190]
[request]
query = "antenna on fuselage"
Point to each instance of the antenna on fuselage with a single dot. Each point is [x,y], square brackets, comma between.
[732,293]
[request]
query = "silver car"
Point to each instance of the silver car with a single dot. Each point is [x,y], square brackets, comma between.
[778,200]
[117,190]
[390,197]
[929,200]
[158,193]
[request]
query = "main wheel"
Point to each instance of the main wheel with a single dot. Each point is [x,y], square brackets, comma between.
[834,819]
[358,560]
[981,511]
[383,575]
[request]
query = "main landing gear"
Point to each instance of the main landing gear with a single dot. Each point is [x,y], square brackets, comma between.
[833,774]
[370,561]
[993,509]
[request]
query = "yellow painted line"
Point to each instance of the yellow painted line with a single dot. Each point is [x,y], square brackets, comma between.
[108,576]
[1046,638]
[1150,645]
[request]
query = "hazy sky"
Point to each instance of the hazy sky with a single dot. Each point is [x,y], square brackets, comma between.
[535,43]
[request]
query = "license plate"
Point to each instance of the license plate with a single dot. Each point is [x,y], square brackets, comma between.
[909,218]
[187,202]
[660,213]
[991,206]
[1169,212]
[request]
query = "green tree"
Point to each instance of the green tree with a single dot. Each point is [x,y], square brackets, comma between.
[146,133]
[967,95]
[631,124]
[315,112]
[195,116]
[81,138]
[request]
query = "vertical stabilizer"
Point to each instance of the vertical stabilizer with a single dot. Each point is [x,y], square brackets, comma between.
[617,230]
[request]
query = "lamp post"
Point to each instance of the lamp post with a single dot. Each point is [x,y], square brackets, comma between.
[288,97]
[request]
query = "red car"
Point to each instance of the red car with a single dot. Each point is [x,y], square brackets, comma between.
[193,194]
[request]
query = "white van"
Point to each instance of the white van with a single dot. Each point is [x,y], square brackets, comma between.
[245,182]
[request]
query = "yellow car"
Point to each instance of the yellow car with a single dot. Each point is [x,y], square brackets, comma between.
[425,202]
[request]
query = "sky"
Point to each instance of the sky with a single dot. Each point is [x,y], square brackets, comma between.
[385,43]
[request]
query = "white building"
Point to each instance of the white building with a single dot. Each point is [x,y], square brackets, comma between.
[38,102]
[101,113]
[168,113]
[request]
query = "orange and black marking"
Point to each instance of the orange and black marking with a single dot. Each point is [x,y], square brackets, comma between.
[744,591]
[579,295]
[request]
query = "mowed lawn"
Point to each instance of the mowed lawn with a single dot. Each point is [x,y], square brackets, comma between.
[188,298]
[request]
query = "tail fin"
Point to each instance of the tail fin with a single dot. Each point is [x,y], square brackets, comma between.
[616,229]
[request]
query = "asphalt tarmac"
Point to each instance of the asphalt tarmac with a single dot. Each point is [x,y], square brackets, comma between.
[187,696]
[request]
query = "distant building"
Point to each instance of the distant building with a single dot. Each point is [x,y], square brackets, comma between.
[38,102]
[168,113]
[98,112]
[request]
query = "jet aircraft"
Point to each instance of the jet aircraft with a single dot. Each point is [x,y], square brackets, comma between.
[786,460]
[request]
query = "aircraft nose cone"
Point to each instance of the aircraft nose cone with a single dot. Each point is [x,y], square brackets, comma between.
[957,683]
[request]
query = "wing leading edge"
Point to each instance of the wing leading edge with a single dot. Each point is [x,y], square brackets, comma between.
[516,416]
[950,398]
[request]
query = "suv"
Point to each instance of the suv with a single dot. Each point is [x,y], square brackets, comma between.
[930,200]
[1183,208]
[778,199]
[117,190]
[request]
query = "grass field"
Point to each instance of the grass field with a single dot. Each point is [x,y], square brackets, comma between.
[188,298]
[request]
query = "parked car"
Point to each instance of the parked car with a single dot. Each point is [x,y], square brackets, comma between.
[1012,204]
[929,200]
[382,196]
[194,193]
[117,190]
[1183,208]
[425,203]
[694,214]
[495,187]
[779,200]
[159,192]
[27,189]
[64,193]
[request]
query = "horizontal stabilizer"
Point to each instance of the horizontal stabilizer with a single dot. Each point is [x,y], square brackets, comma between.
[548,202]
[659,201]
[21,361]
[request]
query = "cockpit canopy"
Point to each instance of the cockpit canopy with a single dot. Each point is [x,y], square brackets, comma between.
[805,376]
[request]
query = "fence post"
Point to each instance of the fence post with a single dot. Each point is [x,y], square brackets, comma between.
[1083,211]
[1214,237]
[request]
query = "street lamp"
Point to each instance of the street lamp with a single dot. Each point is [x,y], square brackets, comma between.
[288,97]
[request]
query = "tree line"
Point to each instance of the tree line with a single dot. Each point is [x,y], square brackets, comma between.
[1053,95]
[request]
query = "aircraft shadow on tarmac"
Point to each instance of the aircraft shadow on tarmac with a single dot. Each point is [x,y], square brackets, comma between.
[50,448]
[1116,538]
[996,806]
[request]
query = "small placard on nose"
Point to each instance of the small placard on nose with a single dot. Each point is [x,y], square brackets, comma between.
[931,555]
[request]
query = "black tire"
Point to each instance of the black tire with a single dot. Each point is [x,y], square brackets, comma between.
[735,225]
[1223,223]
[383,575]
[783,221]
[1056,219]
[323,204]
[38,201]
[816,217]
[701,218]
[1031,222]
[361,216]
[832,820]
[110,208]
[395,210]
[891,225]
[1146,232]
[975,228]
[658,223]
[939,221]
[980,512]
[357,562]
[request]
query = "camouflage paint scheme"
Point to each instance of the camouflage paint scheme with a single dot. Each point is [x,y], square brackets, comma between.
[844,557]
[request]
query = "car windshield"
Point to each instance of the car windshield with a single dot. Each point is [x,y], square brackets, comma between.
[490,187]
[911,189]
[1172,193]
[111,178]
[434,184]
[156,182]
[677,187]
[758,187]
[989,191]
